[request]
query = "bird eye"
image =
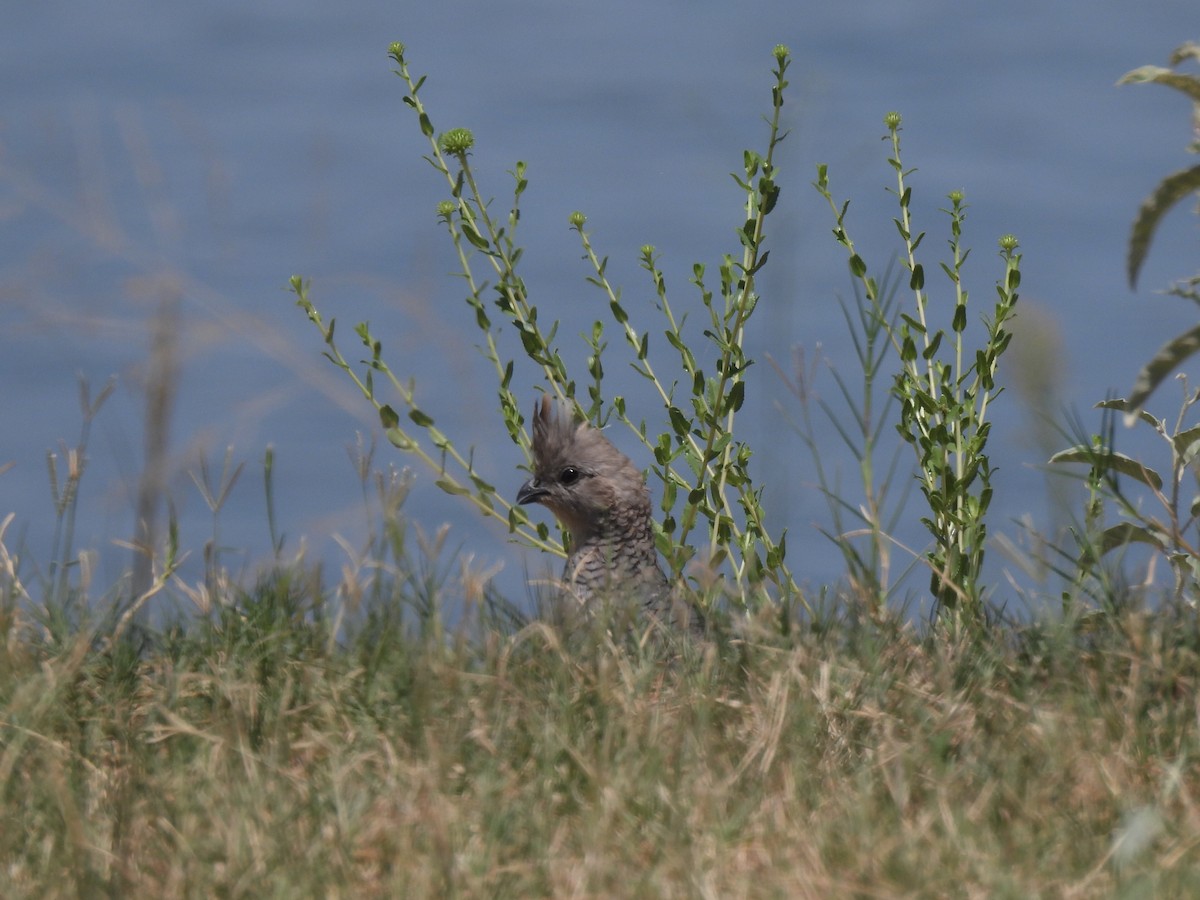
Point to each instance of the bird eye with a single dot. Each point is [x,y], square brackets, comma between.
[569,475]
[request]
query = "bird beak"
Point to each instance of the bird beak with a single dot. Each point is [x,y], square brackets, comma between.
[531,492]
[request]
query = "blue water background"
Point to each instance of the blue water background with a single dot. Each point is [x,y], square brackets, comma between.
[231,145]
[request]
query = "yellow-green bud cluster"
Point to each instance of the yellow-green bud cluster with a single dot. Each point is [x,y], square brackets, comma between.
[457,141]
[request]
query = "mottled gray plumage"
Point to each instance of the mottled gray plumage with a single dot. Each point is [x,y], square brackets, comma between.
[601,499]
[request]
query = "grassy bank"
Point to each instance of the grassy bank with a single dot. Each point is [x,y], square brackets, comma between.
[406,734]
[250,754]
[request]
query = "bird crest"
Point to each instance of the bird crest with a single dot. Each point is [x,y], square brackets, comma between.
[578,473]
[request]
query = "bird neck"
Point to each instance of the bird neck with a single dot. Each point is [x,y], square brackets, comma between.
[624,534]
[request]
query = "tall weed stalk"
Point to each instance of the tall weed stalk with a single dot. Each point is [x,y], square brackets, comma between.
[944,387]
[700,388]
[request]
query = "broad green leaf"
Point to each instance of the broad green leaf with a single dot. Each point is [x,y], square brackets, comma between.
[1123,406]
[1172,354]
[1185,51]
[1186,444]
[1128,533]
[1117,462]
[1188,84]
[1170,191]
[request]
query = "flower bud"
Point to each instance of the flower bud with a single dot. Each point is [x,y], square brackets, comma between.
[457,141]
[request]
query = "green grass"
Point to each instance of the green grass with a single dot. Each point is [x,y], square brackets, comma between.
[249,754]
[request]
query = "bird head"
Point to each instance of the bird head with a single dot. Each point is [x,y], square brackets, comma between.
[579,475]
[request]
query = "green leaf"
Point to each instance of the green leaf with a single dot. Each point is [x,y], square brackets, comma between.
[770,195]
[1117,462]
[387,417]
[1128,533]
[1185,51]
[451,487]
[931,351]
[960,318]
[420,418]
[1172,354]
[484,486]
[516,518]
[1170,191]
[1188,84]
[1186,444]
[746,233]
[1123,406]
[476,239]
[737,394]
[678,420]
[400,440]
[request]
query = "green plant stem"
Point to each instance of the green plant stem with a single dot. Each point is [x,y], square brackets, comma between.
[482,496]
